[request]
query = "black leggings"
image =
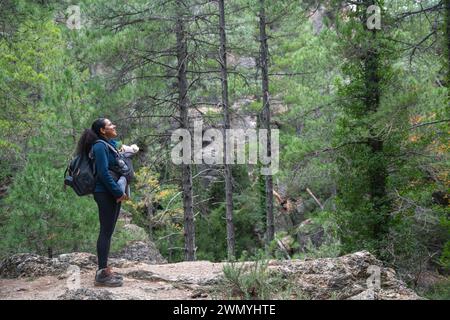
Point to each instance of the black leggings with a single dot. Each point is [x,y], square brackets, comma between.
[108,211]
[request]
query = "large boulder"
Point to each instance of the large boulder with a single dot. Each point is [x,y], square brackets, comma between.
[31,265]
[141,251]
[83,260]
[357,276]
[134,231]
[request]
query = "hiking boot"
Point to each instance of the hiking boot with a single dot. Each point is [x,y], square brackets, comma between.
[114,274]
[106,278]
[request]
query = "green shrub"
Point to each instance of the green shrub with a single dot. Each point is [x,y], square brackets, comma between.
[254,281]
[440,291]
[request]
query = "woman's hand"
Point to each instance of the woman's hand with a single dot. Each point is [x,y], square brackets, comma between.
[122,198]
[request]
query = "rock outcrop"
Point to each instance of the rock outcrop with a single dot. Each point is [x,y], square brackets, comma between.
[31,266]
[358,276]
[141,251]
[354,276]
[82,260]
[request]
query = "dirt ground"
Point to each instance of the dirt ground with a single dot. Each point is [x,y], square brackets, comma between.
[184,280]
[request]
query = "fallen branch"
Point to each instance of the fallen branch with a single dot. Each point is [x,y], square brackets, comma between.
[283,248]
[314,197]
[428,123]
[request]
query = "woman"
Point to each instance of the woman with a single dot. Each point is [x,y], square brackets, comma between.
[107,194]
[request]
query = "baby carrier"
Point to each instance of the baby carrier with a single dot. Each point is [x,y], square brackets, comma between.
[124,165]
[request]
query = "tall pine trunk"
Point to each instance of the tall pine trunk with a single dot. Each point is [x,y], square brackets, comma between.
[377,168]
[447,38]
[226,115]
[183,104]
[264,55]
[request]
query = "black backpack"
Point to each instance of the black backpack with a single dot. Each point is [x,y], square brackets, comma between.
[81,171]
[81,175]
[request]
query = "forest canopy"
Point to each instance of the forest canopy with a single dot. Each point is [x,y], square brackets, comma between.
[358,92]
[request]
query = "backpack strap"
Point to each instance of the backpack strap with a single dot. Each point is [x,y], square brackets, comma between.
[114,150]
[109,146]
[91,153]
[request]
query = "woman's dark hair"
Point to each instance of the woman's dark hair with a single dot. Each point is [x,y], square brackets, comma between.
[98,124]
[89,136]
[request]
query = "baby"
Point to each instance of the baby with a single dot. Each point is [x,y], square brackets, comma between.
[126,152]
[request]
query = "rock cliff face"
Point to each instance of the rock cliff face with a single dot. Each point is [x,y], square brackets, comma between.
[70,276]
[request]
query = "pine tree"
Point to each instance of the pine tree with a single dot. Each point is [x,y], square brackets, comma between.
[364,172]
[226,113]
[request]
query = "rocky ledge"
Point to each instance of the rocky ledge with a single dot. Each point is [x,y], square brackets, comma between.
[357,276]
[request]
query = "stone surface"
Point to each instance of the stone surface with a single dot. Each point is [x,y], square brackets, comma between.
[141,251]
[81,259]
[86,294]
[346,277]
[357,276]
[30,265]
[136,232]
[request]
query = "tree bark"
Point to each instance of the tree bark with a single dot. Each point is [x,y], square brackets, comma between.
[264,54]
[377,168]
[150,214]
[447,38]
[226,115]
[183,103]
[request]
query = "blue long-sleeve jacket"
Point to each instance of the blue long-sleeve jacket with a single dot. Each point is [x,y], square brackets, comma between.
[105,159]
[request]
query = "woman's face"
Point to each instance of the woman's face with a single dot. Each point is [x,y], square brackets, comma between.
[109,131]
